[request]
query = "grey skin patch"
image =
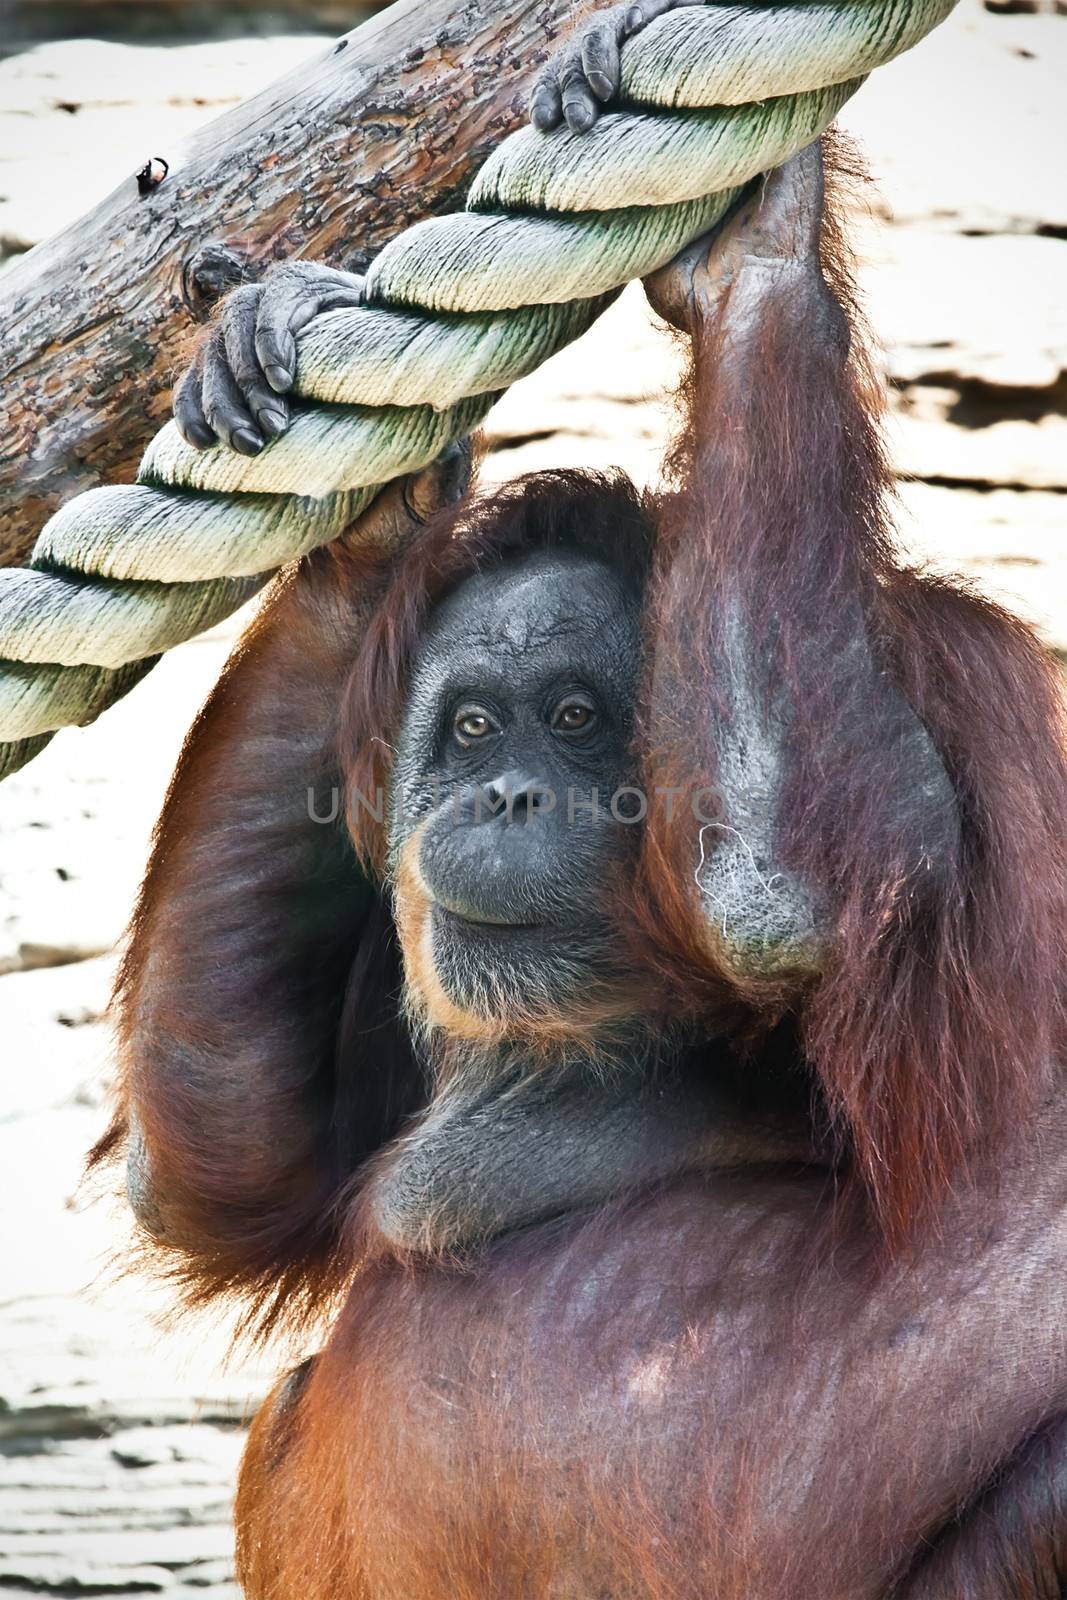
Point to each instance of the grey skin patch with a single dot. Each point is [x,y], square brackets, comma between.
[763,916]
[139,1190]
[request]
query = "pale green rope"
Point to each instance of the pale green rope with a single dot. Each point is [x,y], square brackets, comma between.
[459,307]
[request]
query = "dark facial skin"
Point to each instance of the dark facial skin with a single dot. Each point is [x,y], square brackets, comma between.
[515,742]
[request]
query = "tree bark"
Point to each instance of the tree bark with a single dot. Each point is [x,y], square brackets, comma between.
[386,126]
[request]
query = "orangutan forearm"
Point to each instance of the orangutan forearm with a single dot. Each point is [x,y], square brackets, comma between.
[249,910]
[530,1146]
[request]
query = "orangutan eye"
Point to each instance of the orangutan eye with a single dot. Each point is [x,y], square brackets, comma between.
[573,715]
[472,723]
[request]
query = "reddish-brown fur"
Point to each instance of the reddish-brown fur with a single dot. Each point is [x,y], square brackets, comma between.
[706,1394]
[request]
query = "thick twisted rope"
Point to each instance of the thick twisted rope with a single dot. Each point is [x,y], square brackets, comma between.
[458,308]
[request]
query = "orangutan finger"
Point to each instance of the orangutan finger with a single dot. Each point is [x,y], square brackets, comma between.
[546,101]
[600,59]
[443,483]
[639,16]
[291,296]
[581,108]
[189,416]
[238,324]
[224,404]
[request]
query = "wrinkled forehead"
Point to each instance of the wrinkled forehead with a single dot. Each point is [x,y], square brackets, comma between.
[539,608]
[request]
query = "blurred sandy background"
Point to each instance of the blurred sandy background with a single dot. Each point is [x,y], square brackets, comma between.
[118,1443]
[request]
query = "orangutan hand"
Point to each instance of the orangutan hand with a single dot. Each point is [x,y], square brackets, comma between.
[407,504]
[584,75]
[776,225]
[235,389]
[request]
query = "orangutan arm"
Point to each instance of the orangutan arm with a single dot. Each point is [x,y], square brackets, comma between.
[253,921]
[1009,1542]
[778,493]
[481,1162]
[883,860]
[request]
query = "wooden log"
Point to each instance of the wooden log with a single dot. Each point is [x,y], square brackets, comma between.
[386,126]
